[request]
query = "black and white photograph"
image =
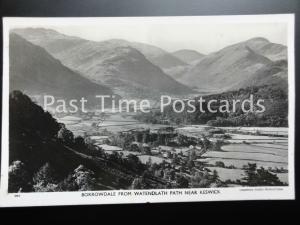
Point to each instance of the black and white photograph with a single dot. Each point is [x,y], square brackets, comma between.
[154,109]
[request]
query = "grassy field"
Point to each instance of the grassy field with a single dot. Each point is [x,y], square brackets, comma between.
[112,122]
[259,130]
[154,159]
[237,155]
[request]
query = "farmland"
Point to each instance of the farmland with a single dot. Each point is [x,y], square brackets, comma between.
[264,146]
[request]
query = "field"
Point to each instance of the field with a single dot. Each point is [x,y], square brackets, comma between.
[111,122]
[266,147]
[269,156]
[283,131]
[154,159]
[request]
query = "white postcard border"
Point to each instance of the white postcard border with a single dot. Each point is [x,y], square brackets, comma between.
[221,194]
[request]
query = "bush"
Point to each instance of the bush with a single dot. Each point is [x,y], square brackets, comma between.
[220,164]
[44,180]
[84,179]
[19,179]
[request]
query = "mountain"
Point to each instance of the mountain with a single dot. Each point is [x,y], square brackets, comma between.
[268,49]
[158,56]
[240,65]
[188,56]
[115,63]
[35,71]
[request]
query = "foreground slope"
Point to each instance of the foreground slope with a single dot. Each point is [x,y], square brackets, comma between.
[45,156]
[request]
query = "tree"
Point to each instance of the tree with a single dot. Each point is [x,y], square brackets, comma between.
[84,179]
[201,180]
[220,164]
[44,180]
[19,178]
[79,143]
[182,182]
[175,160]
[190,164]
[215,176]
[68,184]
[149,161]
[65,136]
[192,154]
[260,177]
[136,183]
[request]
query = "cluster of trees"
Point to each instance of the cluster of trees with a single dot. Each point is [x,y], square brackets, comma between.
[260,177]
[46,180]
[81,144]
[187,175]
[222,165]
[275,115]
[130,163]
[205,180]
[167,172]
[124,140]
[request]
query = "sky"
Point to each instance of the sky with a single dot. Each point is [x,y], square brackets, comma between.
[203,34]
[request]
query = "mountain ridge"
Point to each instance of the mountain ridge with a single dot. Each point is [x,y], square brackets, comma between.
[235,66]
[188,56]
[102,62]
[42,74]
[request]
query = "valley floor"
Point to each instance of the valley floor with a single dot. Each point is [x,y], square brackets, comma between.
[265,146]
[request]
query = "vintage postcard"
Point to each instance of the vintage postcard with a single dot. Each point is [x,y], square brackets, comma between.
[147,109]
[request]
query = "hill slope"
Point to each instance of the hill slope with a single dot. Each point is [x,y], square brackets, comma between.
[44,156]
[268,49]
[237,66]
[188,56]
[158,56]
[35,71]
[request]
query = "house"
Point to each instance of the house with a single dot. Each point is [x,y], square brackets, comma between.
[109,148]
[146,148]
[165,148]
[99,140]
[154,151]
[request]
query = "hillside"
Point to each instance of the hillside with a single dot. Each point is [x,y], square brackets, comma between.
[237,66]
[36,72]
[158,56]
[270,50]
[45,156]
[275,114]
[188,56]
[115,63]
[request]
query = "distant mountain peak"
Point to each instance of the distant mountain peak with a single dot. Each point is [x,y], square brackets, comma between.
[42,33]
[38,29]
[239,65]
[187,50]
[258,39]
[187,55]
